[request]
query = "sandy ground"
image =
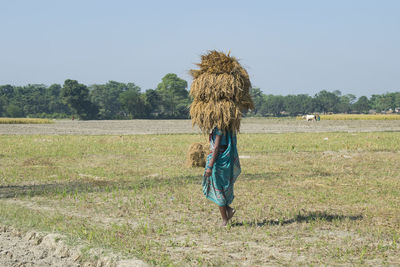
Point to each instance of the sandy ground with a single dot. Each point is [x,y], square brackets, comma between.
[251,125]
[19,249]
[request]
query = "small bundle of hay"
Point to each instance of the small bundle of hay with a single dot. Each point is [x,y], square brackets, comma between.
[197,154]
[220,91]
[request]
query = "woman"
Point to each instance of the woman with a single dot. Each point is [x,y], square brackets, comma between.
[221,94]
[222,169]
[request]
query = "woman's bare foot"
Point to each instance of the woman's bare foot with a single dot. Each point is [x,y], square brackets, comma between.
[230,212]
[223,211]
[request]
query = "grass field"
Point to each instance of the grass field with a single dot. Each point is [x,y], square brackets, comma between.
[24,121]
[302,198]
[361,117]
[357,117]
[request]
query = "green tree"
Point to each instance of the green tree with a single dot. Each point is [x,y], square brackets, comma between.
[76,96]
[153,101]
[258,100]
[274,105]
[352,98]
[55,106]
[6,95]
[389,101]
[14,111]
[374,102]
[174,96]
[308,104]
[2,106]
[33,99]
[327,101]
[345,104]
[383,102]
[7,90]
[292,105]
[362,105]
[338,93]
[397,99]
[298,104]
[107,98]
[133,103]
[30,99]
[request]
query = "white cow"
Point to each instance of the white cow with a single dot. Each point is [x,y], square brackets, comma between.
[310,117]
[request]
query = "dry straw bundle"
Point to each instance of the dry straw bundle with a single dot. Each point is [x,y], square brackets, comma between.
[220,91]
[196,156]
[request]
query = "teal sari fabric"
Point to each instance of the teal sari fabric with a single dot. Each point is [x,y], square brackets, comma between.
[219,186]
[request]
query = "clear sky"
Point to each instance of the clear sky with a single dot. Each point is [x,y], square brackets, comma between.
[288,47]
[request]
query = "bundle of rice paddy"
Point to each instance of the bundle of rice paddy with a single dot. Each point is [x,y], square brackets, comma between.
[196,155]
[220,91]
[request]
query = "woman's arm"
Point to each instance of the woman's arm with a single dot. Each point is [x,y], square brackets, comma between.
[214,155]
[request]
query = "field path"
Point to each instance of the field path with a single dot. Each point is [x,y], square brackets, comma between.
[250,125]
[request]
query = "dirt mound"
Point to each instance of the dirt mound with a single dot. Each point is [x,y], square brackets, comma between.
[38,249]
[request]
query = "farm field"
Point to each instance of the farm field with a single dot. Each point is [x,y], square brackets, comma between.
[249,125]
[330,198]
[360,117]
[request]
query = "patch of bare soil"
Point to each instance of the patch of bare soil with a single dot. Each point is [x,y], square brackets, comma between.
[51,206]
[249,125]
[19,249]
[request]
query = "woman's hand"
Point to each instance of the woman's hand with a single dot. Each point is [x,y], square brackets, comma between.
[208,172]
[214,156]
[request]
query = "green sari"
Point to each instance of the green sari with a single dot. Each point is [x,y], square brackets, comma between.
[219,186]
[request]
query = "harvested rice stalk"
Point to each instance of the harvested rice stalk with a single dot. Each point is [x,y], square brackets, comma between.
[196,156]
[220,91]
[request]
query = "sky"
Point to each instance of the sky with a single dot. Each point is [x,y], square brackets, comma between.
[288,47]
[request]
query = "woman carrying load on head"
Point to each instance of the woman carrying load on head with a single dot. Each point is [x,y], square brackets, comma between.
[220,91]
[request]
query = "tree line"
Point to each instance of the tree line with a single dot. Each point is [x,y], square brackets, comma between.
[113,100]
[322,102]
[169,100]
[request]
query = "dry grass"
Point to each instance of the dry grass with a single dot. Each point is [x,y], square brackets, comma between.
[24,121]
[223,114]
[302,199]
